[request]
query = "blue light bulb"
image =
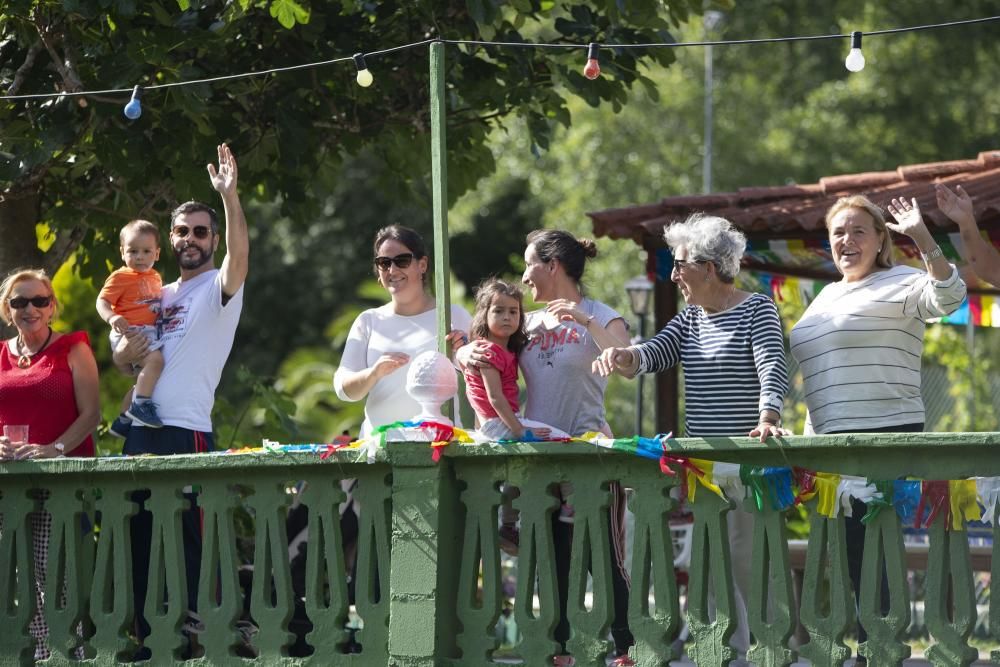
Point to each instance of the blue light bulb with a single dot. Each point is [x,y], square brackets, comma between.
[134,108]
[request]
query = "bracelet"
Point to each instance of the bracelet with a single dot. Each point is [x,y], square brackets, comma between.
[933,254]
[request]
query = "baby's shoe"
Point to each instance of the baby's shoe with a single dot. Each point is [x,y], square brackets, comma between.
[144,413]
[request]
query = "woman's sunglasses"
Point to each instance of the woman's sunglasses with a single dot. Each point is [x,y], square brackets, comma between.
[200,232]
[402,261]
[19,302]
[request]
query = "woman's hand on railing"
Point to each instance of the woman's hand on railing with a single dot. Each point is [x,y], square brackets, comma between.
[767,430]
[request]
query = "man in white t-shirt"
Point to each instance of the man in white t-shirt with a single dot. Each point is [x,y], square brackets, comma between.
[198,319]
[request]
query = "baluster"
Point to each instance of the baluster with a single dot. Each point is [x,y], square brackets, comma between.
[220,598]
[591,555]
[710,557]
[536,558]
[480,552]
[167,595]
[884,548]
[271,598]
[770,588]
[827,547]
[652,564]
[371,590]
[111,602]
[325,566]
[17,572]
[949,561]
[65,594]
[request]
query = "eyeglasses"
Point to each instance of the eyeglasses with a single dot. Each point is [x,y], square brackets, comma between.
[402,261]
[679,264]
[200,232]
[19,302]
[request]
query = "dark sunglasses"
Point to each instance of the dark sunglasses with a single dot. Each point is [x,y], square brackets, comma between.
[200,232]
[19,302]
[679,264]
[402,261]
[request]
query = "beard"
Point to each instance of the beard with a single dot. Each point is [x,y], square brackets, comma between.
[189,262]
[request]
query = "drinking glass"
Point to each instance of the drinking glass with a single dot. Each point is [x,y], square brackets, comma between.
[16,433]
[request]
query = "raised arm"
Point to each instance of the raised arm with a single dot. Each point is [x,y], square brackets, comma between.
[613,334]
[237,260]
[910,222]
[981,255]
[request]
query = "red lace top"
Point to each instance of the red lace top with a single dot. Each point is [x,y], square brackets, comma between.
[41,395]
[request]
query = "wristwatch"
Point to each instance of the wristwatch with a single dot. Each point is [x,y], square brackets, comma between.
[59,447]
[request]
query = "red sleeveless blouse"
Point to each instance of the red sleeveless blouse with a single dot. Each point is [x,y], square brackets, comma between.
[42,395]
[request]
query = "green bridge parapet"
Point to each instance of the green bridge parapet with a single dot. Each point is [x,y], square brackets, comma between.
[427,583]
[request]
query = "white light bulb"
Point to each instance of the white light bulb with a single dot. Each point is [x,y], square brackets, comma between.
[364,77]
[855,61]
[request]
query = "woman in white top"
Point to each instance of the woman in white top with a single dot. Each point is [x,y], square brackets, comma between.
[859,343]
[380,346]
[383,340]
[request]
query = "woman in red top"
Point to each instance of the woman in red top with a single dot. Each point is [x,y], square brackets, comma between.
[48,382]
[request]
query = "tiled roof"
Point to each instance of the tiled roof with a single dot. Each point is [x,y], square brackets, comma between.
[796,211]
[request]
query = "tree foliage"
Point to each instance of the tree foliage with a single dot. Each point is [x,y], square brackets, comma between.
[783,113]
[79,167]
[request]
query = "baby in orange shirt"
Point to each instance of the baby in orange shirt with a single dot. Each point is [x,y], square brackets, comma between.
[130,300]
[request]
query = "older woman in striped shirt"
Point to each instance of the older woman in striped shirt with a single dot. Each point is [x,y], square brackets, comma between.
[731,347]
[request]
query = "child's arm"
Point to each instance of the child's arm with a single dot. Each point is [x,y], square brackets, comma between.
[494,392]
[108,314]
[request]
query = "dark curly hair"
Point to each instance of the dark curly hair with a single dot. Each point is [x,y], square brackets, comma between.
[485,292]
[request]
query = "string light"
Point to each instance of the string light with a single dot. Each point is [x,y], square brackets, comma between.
[134,107]
[364,74]
[592,69]
[364,77]
[855,59]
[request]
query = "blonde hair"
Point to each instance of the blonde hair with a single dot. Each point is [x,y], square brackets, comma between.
[885,258]
[20,276]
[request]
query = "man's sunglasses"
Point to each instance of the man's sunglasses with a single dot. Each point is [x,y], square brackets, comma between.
[19,302]
[402,261]
[200,232]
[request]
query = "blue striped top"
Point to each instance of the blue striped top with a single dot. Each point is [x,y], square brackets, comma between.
[734,364]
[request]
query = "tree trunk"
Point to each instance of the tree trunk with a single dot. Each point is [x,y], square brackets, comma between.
[18,239]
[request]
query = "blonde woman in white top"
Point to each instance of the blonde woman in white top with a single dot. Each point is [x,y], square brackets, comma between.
[860,342]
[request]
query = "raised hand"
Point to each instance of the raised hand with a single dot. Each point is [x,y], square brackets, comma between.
[566,310]
[908,219]
[224,179]
[958,207]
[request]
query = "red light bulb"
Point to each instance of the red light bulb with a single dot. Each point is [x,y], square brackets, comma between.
[592,69]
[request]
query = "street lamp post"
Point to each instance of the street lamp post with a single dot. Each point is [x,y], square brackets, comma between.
[638,290]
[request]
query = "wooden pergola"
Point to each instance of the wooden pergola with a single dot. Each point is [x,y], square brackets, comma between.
[794,214]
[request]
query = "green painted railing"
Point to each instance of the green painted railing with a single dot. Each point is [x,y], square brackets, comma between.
[428,583]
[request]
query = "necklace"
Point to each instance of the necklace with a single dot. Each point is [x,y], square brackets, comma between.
[24,358]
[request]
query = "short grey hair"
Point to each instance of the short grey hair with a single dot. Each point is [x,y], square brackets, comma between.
[711,238]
